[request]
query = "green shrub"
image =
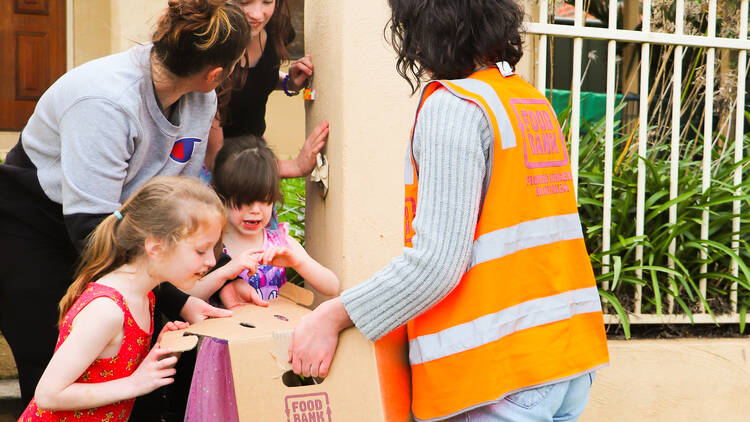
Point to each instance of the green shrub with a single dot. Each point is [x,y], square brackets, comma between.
[292,211]
[659,281]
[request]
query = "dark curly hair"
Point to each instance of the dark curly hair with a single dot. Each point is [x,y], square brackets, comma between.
[450,38]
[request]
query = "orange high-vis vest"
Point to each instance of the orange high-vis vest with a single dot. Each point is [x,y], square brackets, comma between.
[527,312]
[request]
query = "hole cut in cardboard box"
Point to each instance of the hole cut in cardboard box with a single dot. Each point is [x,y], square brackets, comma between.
[366,382]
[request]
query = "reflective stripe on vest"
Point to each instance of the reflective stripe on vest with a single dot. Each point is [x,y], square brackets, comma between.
[493,327]
[527,311]
[525,235]
[494,112]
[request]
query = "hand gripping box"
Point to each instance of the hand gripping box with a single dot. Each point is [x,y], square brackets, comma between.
[366,382]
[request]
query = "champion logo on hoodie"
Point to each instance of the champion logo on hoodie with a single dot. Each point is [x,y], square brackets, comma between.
[183,149]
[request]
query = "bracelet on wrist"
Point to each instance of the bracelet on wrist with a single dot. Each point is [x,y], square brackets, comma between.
[284,86]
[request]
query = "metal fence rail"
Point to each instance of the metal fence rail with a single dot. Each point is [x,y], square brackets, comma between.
[578,32]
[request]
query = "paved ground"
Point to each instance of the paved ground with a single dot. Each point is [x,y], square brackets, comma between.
[10,400]
[10,395]
[7,366]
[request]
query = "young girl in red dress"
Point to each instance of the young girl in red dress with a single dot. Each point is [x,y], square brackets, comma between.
[168,230]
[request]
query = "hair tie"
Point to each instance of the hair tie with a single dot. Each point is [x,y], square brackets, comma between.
[117,214]
[284,86]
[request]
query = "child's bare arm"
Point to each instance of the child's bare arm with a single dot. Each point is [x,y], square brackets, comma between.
[215,280]
[95,327]
[210,283]
[295,256]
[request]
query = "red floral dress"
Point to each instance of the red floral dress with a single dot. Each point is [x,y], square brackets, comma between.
[135,346]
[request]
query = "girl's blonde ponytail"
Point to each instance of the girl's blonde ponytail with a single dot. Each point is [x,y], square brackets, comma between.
[100,256]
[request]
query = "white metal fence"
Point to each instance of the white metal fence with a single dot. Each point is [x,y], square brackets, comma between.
[578,32]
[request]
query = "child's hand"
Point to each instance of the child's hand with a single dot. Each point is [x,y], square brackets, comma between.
[197,309]
[155,371]
[246,260]
[280,256]
[239,293]
[305,160]
[172,326]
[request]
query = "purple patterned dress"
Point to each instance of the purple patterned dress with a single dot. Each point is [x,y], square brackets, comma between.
[212,390]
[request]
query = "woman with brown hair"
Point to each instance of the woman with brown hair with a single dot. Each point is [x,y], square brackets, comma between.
[244,95]
[97,134]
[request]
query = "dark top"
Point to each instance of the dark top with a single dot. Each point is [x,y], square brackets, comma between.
[247,105]
[246,111]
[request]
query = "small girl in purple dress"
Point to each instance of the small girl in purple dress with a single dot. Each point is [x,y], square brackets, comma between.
[246,177]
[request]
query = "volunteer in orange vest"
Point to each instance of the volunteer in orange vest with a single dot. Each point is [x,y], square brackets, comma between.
[495,285]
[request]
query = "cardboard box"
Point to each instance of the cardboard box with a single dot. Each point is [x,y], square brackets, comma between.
[367,381]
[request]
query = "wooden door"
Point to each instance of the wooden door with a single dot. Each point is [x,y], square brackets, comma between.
[32,55]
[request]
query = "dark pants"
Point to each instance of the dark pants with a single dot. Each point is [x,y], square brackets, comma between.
[35,272]
[36,268]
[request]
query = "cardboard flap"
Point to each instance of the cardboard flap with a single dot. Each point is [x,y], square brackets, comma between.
[178,341]
[246,323]
[296,294]
[221,328]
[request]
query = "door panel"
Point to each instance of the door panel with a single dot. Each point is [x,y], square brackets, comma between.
[39,7]
[32,55]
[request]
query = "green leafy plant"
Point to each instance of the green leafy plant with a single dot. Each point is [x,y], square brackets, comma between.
[659,280]
[292,210]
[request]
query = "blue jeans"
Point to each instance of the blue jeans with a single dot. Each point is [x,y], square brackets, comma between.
[560,402]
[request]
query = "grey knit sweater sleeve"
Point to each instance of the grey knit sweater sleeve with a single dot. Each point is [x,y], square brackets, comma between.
[451,143]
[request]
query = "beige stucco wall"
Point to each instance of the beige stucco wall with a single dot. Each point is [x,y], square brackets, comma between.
[285,124]
[92,30]
[133,21]
[673,380]
[7,140]
[357,229]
